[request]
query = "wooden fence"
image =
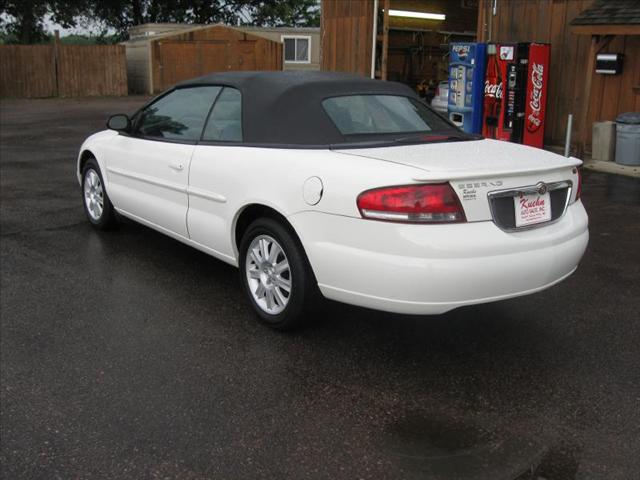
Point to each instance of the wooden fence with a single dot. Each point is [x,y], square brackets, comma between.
[37,71]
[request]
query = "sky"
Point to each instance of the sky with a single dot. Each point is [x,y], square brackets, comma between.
[83,28]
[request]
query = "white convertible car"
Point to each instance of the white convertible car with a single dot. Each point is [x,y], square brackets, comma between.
[332,184]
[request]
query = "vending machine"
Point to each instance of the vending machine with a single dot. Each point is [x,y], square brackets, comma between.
[515,92]
[536,96]
[466,75]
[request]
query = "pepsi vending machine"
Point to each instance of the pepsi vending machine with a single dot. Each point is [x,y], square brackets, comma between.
[467,63]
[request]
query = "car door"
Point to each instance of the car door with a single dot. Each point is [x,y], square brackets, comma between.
[148,170]
[215,177]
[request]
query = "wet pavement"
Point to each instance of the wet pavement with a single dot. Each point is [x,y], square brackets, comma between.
[129,355]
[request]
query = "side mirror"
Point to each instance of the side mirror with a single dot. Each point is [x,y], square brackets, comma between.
[119,122]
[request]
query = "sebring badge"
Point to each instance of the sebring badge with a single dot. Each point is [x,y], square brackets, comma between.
[469,191]
[541,187]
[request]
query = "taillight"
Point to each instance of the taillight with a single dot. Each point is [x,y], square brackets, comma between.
[437,91]
[579,188]
[433,203]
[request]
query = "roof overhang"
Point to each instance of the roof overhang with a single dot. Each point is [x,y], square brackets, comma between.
[606,29]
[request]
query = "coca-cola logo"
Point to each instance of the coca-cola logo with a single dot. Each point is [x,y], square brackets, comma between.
[537,82]
[533,122]
[493,89]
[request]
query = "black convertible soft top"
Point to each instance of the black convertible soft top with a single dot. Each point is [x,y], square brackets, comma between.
[285,108]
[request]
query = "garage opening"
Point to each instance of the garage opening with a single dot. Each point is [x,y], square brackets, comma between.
[412,44]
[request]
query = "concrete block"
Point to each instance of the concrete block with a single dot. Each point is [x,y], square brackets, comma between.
[603,143]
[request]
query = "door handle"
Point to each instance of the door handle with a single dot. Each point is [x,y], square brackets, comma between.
[176,166]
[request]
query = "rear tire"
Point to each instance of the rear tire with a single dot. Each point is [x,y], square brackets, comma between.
[97,206]
[276,275]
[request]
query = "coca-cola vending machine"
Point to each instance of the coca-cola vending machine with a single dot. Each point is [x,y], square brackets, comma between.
[536,96]
[515,92]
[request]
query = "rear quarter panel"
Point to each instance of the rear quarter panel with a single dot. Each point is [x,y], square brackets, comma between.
[227,179]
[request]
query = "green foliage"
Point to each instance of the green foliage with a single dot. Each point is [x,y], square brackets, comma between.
[287,13]
[28,24]
[23,21]
[75,39]
[121,14]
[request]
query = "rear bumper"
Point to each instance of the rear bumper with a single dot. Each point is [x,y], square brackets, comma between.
[430,269]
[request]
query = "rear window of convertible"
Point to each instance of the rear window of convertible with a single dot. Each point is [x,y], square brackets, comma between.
[382,114]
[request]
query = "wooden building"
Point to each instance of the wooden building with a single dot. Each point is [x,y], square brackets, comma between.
[155,61]
[414,49]
[300,45]
[350,35]
[574,87]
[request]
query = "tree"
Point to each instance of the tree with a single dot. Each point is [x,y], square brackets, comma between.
[122,14]
[23,21]
[287,13]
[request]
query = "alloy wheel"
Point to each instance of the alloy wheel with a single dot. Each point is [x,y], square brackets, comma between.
[268,274]
[93,194]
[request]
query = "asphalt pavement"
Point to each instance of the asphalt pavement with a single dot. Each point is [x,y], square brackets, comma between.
[129,355]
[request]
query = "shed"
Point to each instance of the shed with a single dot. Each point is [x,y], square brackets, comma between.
[301,45]
[155,61]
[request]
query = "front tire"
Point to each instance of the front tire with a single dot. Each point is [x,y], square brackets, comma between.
[97,206]
[276,275]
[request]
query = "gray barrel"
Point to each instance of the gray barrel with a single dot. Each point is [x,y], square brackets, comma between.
[628,138]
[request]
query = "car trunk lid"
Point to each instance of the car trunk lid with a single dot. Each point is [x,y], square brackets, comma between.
[488,175]
[450,160]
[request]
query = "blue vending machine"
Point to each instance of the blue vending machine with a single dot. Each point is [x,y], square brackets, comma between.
[467,64]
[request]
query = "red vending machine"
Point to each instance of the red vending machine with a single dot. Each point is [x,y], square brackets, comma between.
[536,99]
[493,94]
[515,92]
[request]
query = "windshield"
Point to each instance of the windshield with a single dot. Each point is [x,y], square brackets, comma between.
[384,115]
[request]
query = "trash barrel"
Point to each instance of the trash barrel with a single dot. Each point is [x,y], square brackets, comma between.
[628,138]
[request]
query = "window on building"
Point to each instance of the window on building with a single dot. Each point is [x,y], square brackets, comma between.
[297,49]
